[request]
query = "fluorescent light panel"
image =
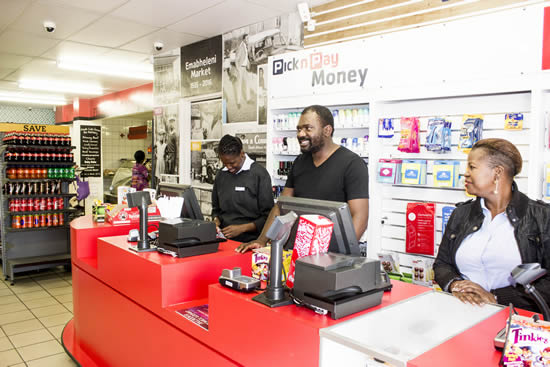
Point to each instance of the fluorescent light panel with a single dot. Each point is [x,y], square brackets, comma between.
[105,69]
[52,86]
[10,96]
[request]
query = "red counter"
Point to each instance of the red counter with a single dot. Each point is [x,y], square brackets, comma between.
[125,307]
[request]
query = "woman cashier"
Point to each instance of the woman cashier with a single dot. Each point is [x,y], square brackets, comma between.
[487,237]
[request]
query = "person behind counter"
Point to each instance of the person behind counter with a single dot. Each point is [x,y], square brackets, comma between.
[139,172]
[324,171]
[242,195]
[487,237]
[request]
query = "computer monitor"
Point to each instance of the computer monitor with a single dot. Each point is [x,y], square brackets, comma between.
[344,240]
[191,208]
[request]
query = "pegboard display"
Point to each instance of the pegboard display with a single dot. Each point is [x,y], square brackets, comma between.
[395,197]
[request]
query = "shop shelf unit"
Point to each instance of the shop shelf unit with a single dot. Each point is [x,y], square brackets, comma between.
[35,247]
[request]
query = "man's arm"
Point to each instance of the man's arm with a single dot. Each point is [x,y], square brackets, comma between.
[359,209]
[262,240]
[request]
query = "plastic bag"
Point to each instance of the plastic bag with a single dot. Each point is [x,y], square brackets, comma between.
[409,135]
[470,132]
[439,135]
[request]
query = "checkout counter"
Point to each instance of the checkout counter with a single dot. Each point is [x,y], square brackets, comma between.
[129,310]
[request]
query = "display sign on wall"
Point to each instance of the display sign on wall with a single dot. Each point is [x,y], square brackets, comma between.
[326,70]
[201,67]
[90,150]
[254,144]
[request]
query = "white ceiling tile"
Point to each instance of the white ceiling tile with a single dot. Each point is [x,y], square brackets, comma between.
[24,44]
[287,6]
[5,72]
[7,85]
[229,15]
[102,6]
[12,61]
[11,9]
[67,20]
[121,56]
[170,39]
[70,49]
[161,13]
[112,32]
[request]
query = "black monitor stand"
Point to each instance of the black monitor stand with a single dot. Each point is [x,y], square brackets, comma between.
[141,200]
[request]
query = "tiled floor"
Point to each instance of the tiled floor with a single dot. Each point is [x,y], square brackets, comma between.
[33,313]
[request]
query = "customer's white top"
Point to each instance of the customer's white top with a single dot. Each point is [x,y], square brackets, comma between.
[488,256]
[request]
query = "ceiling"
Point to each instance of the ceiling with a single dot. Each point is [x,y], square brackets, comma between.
[118,32]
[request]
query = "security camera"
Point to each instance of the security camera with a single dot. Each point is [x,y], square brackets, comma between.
[49,26]
[159,46]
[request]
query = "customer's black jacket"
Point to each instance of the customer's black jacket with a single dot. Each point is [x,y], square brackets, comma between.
[531,222]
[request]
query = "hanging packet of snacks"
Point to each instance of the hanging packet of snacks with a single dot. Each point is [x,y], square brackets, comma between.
[513,121]
[439,135]
[409,135]
[385,128]
[470,132]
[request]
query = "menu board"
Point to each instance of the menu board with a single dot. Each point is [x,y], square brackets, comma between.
[90,150]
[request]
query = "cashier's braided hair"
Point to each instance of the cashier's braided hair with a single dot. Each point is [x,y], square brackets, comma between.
[501,152]
[230,145]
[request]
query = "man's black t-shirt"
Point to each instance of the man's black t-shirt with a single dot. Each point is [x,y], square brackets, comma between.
[343,176]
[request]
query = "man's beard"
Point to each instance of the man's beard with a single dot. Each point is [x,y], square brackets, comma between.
[315,144]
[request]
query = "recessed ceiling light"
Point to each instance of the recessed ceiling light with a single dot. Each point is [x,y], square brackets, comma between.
[53,86]
[52,100]
[124,71]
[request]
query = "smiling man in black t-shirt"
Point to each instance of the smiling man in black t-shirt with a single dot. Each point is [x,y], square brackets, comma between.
[324,171]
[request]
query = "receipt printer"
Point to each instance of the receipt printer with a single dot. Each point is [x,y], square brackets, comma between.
[182,237]
[340,284]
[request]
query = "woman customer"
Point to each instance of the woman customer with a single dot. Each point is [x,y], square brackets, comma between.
[486,238]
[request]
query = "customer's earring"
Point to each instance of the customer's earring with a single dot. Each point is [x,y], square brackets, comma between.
[496,187]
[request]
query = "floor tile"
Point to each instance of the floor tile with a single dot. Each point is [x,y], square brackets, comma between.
[29,289]
[46,277]
[64,298]
[9,318]
[55,320]
[22,327]
[5,344]
[60,291]
[19,365]
[2,333]
[33,295]
[4,300]
[41,302]
[12,307]
[5,292]
[48,310]
[56,331]
[32,337]
[53,283]
[69,306]
[9,358]
[57,360]
[3,285]
[40,350]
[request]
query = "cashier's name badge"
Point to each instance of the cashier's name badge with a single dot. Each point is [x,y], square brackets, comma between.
[239,188]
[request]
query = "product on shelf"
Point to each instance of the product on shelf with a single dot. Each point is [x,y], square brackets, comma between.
[409,142]
[422,271]
[446,173]
[389,262]
[420,228]
[385,128]
[513,121]
[470,132]
[439,135]
[413,171]
[389,171]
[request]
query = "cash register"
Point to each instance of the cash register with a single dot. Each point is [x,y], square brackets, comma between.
[189,235]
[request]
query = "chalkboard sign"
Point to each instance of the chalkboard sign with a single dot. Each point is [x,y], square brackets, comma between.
[90,150]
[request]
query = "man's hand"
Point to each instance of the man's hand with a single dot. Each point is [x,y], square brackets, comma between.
[249,246]
[233,230]
[470,292]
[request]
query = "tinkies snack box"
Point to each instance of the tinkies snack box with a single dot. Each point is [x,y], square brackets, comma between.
[312,237]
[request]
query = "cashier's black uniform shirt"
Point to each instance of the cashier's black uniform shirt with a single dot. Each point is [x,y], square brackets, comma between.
[243,198]
[343,176]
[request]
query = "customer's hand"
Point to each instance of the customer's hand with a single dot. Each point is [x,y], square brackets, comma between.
[244,247]
[233,230]
[470,292]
